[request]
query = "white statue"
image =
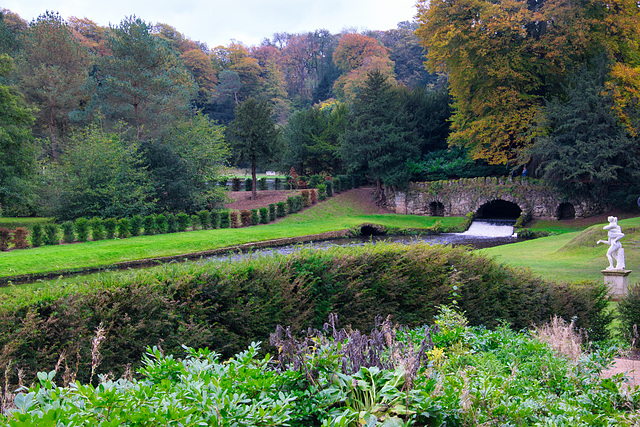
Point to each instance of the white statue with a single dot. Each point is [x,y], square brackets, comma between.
[615,250]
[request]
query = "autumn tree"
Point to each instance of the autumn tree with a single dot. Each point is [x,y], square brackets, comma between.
[377,141]
[89,34]
[201,68]
[53,73]
[16,149]
[143,82]
[253,135]
[357,56]
[505,58]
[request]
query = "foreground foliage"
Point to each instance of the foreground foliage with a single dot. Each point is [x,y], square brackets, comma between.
[226,305]
[447,375]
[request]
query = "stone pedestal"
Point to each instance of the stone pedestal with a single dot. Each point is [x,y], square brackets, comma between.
[617,281]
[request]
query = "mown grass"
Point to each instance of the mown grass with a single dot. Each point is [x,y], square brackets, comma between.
[337,213]
[571,256]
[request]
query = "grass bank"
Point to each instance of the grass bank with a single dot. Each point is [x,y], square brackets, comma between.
[338,213]
[571,256]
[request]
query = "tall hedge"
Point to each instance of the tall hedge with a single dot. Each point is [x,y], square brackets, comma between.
[226,305]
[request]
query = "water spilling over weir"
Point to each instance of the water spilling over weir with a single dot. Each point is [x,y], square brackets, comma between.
[491,228]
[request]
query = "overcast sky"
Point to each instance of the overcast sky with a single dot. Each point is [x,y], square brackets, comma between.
[217,22]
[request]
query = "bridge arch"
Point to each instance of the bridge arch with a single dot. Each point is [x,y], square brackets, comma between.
[499,208]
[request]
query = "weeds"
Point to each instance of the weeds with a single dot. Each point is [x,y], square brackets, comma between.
[562,337]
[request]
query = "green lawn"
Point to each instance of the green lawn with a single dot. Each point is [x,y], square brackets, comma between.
[337,213]
[572,256]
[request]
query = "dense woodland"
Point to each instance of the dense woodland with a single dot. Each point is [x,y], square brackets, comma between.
[138,118]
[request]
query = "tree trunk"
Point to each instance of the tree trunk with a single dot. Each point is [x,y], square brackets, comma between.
[254,193]
[380,198]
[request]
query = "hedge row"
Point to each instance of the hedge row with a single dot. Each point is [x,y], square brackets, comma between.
[83,229]
[225,306]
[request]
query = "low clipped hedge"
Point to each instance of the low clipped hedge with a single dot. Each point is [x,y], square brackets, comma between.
[227,305]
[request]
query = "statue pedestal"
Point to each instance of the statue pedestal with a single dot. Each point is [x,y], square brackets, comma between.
[617,281]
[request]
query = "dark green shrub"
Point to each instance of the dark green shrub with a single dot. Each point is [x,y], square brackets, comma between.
[205,219]
[36,235]
[234,217]
[322,192]
[291,208]
[272,211]
[215,219]
[248,184]
[299,204]
[245,217]
[51,234]
[281,209]
[20,238]
[629,316]
[136,225]
[255,217]
[5,238]
[314,180]
[337,185]
[161,223]
[262,184]
[346,182]
[149,225]
[183,221]
[195,222]
[306,198]
[236,184]
[264,215]
[124,228]
[97,228]
[224,219]
[82,229]
[329,188]
[68,236]
[110,226]
[172,224]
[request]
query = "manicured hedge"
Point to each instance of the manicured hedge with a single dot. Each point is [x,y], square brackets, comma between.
[227,305]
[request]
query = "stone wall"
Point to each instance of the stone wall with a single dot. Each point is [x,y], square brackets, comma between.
[459,197]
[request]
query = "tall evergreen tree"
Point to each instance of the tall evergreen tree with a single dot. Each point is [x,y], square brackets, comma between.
[253,135]
[144,82]
[585,148]
[53,71]
[377,140]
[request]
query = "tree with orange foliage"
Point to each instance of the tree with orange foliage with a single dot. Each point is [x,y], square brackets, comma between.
[357,56]
[354,48]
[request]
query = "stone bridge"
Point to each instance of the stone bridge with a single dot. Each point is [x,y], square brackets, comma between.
[490,197]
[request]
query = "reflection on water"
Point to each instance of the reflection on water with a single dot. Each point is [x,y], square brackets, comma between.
[496,235]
